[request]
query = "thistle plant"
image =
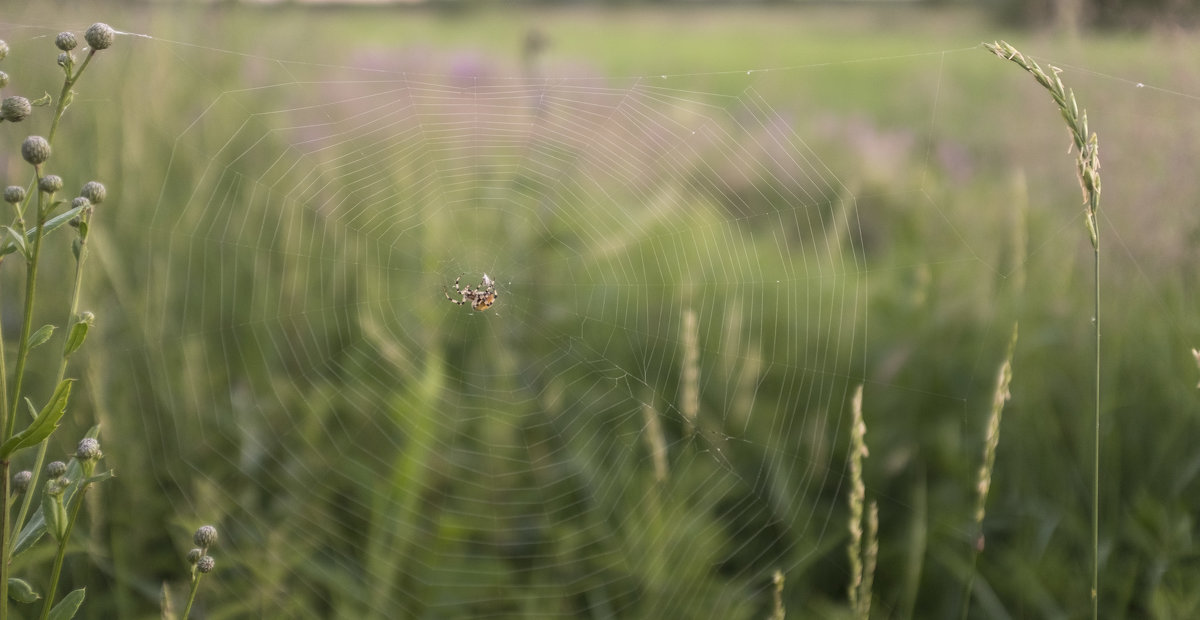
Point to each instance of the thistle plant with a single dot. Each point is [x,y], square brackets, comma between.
[202,563]
[36,213]
[1087,169]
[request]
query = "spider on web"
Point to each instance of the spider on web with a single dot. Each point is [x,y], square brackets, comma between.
[481,297]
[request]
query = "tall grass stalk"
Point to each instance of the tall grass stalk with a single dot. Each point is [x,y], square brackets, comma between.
[862,555]
[1087,168]
[990,442]
[778,611]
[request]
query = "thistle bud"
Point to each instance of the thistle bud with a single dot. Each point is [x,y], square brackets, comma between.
[206,564]
[88,449]
[21,481]
[35,150]
[65,41]
[56,469]
[50,183]
[205,536]
[14,109]
[14,194]
[99,36]
[64,60]
[80,203]
[3,50]
[3,79]
[94,191]
[194,555]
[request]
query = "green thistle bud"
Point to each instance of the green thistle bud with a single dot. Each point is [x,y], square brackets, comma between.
[3,49]
[15,109]
[88,450]
[64,59]
[194,555]
[56,469]
[94,191]
[206,564]
[65,41]
[99,36]
[50,183]
[21,481]
[80,203]
[3,79]
[205,536]
[14,194]
[35,150]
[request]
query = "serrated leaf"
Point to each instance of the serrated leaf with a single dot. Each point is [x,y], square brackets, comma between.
[41,335]
[51,225]
[66,608]
[44,424]
[20,591]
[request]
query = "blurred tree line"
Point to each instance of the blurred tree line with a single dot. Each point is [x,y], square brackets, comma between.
[1067,15]
[1109,14]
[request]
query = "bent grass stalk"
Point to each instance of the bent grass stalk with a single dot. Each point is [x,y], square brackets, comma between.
[1087,168]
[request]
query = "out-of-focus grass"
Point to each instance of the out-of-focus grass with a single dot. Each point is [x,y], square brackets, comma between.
[289,414]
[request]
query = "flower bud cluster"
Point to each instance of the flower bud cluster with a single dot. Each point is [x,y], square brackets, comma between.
[205,537]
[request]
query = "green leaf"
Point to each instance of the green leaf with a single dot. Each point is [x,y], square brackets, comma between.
[51,225]
[44,424]
[16,241]
[55,514]
[99,477]
[20,591]
[66,608]
[78,333]
[33,531]
[44,100]
[41,335]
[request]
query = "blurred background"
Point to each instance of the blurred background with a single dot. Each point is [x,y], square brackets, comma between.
[707,223]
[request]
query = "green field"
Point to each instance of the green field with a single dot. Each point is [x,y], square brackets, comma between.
[707,226]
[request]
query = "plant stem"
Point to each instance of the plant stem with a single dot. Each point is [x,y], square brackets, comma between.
[1096,447]
[77,503]
[31,269]
[62,373]
[4,539]
[192,595]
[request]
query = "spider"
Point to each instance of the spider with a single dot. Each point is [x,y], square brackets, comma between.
[481,298]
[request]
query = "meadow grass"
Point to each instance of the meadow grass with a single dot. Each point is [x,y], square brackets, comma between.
[312,426]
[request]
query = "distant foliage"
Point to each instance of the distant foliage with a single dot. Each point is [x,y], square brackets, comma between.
[1108,14]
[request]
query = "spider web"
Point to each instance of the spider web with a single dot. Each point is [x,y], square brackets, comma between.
[651,419]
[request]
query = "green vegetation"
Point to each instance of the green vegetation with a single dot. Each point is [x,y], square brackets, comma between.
[280,360]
